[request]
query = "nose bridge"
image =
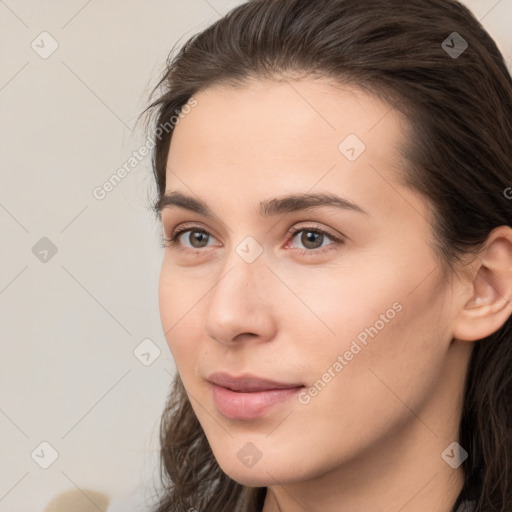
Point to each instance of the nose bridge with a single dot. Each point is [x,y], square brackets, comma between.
[239,302]
[244,272]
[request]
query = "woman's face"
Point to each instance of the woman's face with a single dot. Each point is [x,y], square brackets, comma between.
[349,316]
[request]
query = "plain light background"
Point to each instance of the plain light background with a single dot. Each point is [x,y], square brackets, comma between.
[70,324]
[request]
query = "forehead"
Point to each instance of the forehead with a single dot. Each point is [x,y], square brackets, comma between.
[287,136]
[267,121]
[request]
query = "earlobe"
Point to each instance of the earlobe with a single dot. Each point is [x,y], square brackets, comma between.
[490,303]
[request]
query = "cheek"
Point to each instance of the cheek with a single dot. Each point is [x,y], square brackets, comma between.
[388,322]
[334,306]
[385,364]
[179,304]
[373,292]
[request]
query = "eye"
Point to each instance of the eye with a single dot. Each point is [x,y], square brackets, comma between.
[197,238]
[312,239]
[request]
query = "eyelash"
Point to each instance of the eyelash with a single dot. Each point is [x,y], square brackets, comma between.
[173,241]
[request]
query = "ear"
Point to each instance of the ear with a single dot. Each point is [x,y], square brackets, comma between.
[488,301]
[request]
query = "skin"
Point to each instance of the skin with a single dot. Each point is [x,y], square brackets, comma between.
[372,439]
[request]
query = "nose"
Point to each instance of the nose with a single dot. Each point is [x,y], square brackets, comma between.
[242,305]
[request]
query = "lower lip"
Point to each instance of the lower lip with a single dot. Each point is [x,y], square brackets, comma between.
[246,406]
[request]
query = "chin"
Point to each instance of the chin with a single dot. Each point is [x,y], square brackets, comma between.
[263,473]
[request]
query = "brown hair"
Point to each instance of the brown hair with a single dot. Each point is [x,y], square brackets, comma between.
[458,153]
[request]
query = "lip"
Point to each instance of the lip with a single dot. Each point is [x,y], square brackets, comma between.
[248,383]
[248,397]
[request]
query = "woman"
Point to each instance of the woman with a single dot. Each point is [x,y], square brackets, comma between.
[336,284]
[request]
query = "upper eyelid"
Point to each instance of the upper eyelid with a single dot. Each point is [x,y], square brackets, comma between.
[184,227]
[303,226]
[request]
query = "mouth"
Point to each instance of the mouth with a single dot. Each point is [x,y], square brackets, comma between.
[249,397]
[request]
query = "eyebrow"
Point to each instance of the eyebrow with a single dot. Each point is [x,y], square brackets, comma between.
[270,207]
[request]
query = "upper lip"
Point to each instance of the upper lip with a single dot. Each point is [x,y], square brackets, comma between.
[248,383]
